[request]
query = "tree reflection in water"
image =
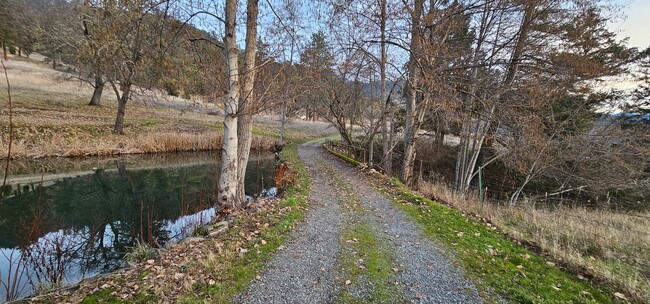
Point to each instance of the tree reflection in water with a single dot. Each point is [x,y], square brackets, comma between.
[82,224]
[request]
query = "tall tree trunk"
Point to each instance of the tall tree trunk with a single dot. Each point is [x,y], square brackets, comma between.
[97,93]
[121,108]
[385,127]
[440,134]
[227,195]
[283,122]
[412,124]
[246,107]
[472,142]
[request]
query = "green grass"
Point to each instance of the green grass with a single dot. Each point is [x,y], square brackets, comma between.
[498,263]
[377,266]
[265,133]
[493,261]
[104,296]
[366,257]
[240,272]
[346,158]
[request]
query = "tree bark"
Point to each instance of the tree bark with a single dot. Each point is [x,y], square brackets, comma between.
[471,143]
[246,107]
[4,51]
[97,93]
[385,126]
[283,122]
[121,108]
[411,127]
[227,188]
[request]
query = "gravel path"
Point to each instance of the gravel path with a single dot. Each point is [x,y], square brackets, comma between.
[304,272]
[428,275]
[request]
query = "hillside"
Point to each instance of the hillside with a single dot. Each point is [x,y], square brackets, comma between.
[51,118]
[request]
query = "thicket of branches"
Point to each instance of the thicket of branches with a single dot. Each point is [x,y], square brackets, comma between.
[514,82]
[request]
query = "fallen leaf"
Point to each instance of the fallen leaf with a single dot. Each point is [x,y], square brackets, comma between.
[263,242]
[348,282]
[520,266]
[620,296]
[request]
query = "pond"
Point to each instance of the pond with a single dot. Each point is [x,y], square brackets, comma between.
[62,220]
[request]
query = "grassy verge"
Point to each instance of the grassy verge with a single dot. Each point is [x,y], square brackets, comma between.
[495,261]
[610,247]
[346,158]
[366,260]
[212,269]
[235,273]
[491,257]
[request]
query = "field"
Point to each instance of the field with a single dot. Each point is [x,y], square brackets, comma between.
[51,118]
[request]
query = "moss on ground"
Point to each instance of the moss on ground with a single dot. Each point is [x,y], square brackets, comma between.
[367,261]
[491,259]
[495,261]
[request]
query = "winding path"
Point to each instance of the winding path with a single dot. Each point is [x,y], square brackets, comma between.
[306,269]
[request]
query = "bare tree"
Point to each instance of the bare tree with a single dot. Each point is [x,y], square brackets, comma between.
[247,98]
[228,180]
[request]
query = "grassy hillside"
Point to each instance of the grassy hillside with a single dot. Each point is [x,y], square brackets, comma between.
[51,118]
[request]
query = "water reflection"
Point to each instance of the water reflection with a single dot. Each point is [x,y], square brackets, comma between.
[61,226]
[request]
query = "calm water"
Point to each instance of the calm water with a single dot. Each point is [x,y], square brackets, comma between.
[66,219]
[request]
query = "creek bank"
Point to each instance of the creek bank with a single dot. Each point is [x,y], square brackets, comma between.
[212,268]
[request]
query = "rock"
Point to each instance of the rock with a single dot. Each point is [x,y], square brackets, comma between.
[193,239]
[221,224]
[154,254]
[218,231]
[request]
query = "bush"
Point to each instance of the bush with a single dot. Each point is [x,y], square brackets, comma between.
[171,88]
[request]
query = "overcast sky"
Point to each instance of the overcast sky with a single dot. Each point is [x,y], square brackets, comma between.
[637,23]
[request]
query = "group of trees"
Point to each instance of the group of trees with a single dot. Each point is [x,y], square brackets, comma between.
[514,80]
[122,45]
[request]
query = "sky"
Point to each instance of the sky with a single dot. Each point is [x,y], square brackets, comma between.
[636,24]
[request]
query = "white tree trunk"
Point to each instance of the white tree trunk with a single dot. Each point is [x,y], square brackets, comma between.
[387,158]
[412,116]
[227,195]
[246,107]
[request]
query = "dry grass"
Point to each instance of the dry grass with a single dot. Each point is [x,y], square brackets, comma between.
[51,118]
[610,246]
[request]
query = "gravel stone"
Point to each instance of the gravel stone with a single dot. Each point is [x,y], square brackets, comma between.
[304,272]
